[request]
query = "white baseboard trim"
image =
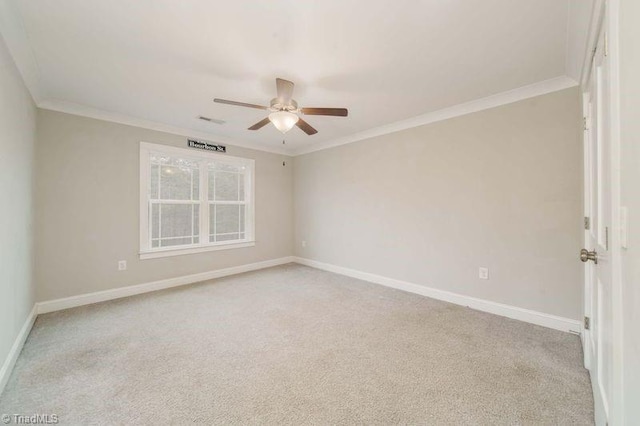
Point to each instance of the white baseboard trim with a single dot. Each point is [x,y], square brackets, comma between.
[534,317]
[527,315]
[117,293]
[12,356]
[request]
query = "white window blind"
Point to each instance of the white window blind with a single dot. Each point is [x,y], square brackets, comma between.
[193,200]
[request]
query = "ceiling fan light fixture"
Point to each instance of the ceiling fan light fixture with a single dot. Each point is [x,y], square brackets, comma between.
[284,110]
[283,120]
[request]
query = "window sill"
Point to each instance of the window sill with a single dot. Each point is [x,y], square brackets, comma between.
[166,252]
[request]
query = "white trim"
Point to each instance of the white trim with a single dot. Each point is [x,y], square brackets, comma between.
[144,169]
[619,399]
[194,153]
[28,68]
[12,356]
[117,293]
[203,158]
[592,40]
[515,95]
[499,99]
[166,252]
[586,200]
[612,27]
[521,314]
[514,312]
[116,117]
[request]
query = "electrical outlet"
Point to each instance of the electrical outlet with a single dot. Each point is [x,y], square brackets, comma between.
[122,265]
[304,243]
[483,273]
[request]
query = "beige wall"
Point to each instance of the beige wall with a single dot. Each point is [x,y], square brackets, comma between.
[17,140]
[87,213]
[499,188]
[630,197]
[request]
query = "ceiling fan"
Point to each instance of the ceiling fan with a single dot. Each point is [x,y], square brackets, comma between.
[285,110]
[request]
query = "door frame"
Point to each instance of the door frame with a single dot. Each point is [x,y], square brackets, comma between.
[605,17]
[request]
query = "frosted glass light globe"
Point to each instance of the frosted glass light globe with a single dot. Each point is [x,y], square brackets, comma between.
[283,120]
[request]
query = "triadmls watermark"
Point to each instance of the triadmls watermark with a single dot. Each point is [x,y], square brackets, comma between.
[30,419]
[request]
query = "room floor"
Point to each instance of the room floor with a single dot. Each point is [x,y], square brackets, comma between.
[295,345]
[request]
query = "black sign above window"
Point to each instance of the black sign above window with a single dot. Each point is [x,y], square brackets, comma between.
[192,143]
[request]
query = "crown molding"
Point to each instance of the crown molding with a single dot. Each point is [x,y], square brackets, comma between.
[597,15]
[504,98]
[17,41]
[115,117]
[515,95]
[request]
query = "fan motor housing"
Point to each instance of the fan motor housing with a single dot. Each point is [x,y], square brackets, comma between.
[277,105]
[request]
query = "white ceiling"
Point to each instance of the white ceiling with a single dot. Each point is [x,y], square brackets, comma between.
[384,60]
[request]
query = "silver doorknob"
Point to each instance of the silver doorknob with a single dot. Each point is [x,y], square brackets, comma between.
[586,255]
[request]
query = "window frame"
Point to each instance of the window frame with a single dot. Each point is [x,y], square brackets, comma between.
[203,158]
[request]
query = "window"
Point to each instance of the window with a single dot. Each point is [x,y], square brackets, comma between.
[193,201]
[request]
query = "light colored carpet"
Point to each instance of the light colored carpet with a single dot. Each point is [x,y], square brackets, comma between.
[295,345]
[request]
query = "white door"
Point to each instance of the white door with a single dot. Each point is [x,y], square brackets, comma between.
[598,203]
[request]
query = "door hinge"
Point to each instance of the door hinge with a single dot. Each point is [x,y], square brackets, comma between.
[606,237]
[584,123]
[587,223]
[606,44]
[587,323]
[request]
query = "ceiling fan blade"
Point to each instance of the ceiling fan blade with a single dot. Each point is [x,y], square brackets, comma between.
[337,112]
[285,90]
[260,124]
[242,104]
[306,127]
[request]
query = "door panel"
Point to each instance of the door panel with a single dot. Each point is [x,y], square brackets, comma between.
[598,205]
